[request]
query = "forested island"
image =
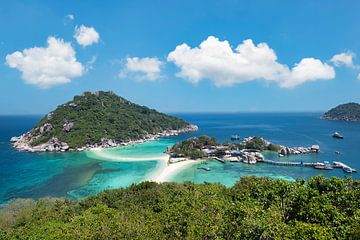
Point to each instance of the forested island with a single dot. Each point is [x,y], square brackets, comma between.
[344,112]
[254,208]
[98,119]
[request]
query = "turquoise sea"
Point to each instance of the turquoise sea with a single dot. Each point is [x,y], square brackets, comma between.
[80,174]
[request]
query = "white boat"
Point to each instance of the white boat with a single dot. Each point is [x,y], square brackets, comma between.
[337,135]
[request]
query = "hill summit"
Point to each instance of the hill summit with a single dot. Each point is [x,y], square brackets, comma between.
[98,119]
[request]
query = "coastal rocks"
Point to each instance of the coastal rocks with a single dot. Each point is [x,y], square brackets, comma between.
[252,157]
[107,143]
[14,139]
[68,126]
[23,143]
[284,151]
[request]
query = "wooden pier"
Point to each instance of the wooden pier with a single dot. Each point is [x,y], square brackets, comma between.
[297,164]
[300,164]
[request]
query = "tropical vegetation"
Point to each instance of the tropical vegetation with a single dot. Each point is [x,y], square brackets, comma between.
[254,208]
[101,115]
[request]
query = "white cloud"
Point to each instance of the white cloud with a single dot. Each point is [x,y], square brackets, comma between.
[142,68]
[217,61]
[47,66]
[86,36]
[68,19]
[358,76]
[345,58]
[309,69]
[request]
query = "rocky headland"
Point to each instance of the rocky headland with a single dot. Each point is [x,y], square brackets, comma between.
[98,120]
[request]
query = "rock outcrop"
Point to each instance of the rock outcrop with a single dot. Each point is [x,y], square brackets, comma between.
[284,150]
[68,126]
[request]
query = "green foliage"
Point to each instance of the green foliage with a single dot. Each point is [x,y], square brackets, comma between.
[103,115]
[192,147]
[260,144]
[273,147]
[254,208]
[348,111]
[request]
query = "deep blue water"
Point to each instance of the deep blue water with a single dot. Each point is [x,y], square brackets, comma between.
[78,175]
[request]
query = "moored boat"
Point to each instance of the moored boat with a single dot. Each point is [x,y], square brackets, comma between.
[323,166]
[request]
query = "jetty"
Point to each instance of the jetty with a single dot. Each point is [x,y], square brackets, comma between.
[345,167]
[317,165]
[300,164]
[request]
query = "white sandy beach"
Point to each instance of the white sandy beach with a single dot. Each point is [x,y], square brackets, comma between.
[164,171]
[99,152]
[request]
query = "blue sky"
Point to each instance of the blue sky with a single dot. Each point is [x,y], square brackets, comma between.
[306,60]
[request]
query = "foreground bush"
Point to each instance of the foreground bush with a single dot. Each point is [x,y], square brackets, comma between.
[255,208]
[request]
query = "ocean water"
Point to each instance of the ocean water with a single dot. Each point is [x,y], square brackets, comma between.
[80,174]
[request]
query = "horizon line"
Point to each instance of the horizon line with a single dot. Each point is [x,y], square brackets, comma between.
[190,112]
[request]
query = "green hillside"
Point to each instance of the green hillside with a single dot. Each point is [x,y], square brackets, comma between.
[93,116]
[345,112]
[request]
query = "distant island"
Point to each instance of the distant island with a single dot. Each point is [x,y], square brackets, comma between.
[344,112]
[98,119]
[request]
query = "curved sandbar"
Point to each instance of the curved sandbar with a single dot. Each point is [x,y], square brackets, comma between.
[169,171]
[99,152]
[164,172]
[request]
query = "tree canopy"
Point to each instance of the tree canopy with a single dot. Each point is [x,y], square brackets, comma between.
[254,208]
[93,116]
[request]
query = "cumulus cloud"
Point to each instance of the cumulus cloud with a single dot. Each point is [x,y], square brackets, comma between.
[86,36]
[345,59]
[217,61]
[309,69]
[142,68]
[47,66]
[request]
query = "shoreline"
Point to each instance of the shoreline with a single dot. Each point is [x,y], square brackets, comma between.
[167,172]
[22,143]
[163,173]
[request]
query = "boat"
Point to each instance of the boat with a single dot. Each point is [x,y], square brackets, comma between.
[337,152]
[323,166]
[347,169]
[235,137]
[338,165]
[337,135]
